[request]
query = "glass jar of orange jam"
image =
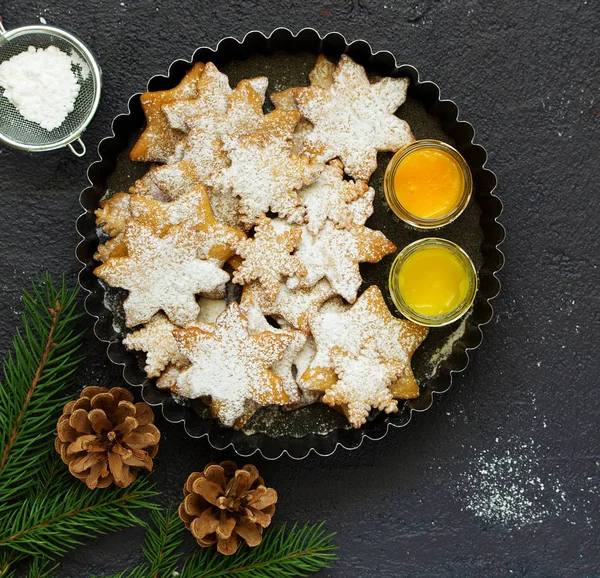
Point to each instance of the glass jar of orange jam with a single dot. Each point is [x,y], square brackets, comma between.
[428,184]
[433,282]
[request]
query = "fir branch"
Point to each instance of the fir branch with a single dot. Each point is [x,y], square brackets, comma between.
[7,562]
[36,375]
[50,524]
[281,554]
[162,542]
[41,568]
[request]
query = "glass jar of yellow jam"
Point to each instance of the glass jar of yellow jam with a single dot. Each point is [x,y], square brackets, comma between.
[433,282]
[428,184]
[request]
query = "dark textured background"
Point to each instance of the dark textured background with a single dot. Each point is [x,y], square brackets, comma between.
[526,75]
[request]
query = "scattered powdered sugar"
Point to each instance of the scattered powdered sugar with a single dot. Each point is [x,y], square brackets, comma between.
[41,84]
[513,487]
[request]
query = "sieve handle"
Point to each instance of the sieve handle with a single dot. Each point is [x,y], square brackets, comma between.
[77,153]
[2,29]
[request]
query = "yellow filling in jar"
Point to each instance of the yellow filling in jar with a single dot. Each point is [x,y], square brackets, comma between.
[433,281]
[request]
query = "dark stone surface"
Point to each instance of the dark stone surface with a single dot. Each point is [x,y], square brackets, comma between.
[525,75]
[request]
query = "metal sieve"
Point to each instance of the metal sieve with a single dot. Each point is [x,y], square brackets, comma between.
[20,133]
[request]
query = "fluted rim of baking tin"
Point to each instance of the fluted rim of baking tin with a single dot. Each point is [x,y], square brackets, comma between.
[333,44]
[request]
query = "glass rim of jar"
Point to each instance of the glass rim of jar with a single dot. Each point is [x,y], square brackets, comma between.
[405,309]
[403,213]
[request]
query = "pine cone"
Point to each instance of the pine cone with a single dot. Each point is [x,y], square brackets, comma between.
[104,437]
[223,504]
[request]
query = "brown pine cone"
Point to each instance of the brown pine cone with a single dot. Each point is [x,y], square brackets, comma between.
[223,504]
[104,437]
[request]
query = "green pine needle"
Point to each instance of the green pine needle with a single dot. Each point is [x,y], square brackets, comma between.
[163,540]
[44,511]
[40,568]
[281,554]
[69,513]
[36,375]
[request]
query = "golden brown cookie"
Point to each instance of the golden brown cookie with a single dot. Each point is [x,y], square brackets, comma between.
[113,214]
[331,198]
[350,327]
[363,382]
[284,367]
[156,339]
[335,253]
[266,175]
[149,272]
[354,119]
[267,257]
[294,306]
[159,141]
[115,247]
[212,95]
[231,365]
[214,240]
[166,182]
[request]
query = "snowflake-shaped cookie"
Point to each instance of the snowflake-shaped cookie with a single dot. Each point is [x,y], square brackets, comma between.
[284,367]
[161,273]
[296,307]
[159,140]
[166,182]
[266,175]
[207,109]
[113,214]
[337,324]
[321,75]
[267,257]
[231,365]
[363,383]
[214,240]
[354,119]
[156,339]
[335,254]
[331,197]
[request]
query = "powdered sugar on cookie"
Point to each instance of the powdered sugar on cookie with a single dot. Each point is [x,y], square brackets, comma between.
[354,119]
[161,273]
[231,365]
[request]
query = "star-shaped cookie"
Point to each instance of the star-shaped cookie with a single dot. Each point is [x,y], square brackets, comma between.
[156,339]
[267,257]
[331,197]
[231,365]
[159,140]
[113,214]
[294,306]
[166,182]
[206,110]
[336,324]
[213,239]
[161,273]
[284,367]
[266,175]
[335,254]
[363,382]
[354,119]
[321,75]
